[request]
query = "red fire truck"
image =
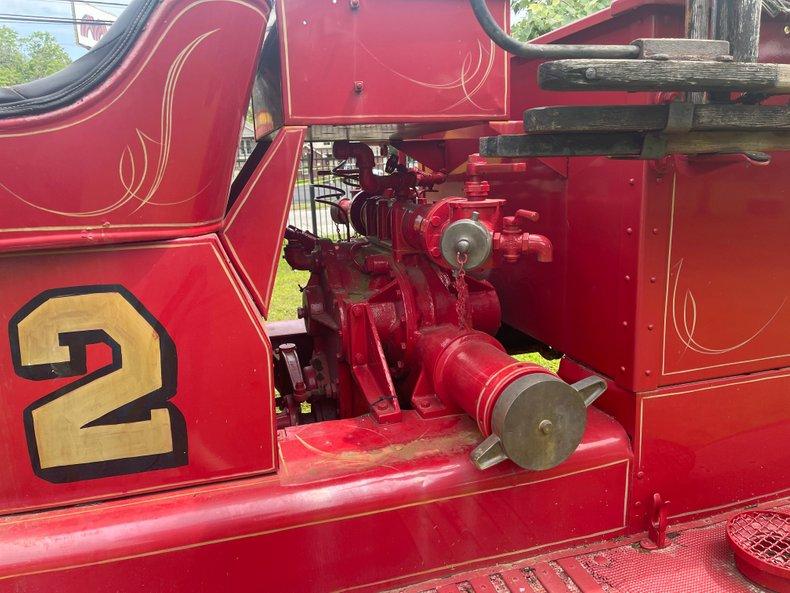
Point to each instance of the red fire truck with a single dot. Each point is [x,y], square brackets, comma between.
[614,193]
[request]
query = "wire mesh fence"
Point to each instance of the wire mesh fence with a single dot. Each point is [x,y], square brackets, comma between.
[310,210]
[315,169]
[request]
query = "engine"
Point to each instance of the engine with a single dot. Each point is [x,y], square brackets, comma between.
[403,318]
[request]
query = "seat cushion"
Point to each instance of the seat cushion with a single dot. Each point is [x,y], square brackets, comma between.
[83,75]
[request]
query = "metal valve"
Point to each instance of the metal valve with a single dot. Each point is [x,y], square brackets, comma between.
[538,421]
[470,238]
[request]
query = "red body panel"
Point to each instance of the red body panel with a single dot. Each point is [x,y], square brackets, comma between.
[362,505]
[667,277]
[695,443]
[224,378]
[150,152]
[256,222]
[717,219]
[448,71]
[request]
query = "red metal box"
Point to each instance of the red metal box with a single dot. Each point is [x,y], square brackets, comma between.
[380,61]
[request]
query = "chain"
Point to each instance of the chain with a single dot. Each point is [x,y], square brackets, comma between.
[462,291]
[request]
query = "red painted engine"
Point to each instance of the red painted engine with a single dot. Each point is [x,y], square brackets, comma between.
[404,317]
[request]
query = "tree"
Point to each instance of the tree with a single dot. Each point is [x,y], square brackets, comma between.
[23,59]
[536,17]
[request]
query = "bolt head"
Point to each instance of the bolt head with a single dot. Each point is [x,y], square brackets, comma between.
[546,426]
[590,74]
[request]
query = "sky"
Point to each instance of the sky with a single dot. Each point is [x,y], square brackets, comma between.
[64,33]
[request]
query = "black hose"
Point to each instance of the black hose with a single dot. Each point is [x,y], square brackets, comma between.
[546,51]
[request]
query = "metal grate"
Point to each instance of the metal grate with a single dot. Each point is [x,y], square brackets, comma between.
[763,535]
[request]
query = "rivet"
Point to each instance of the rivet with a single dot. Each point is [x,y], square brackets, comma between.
[627,278]
[638,504]
[632,181]
[629,230]
[648,372]
[590,74]
[622,369]
[655,231]
[354,4]
[625,324]
[359,86]
[787,29]
[640,475]
[650,326]
[652,279]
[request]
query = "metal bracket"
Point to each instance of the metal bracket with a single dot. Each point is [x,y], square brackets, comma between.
[659,521]
[488,453]
[680,120]
[590,388]
[680,117]
[682,49]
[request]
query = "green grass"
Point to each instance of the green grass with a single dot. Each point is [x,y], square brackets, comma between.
[552,365]
[287,297]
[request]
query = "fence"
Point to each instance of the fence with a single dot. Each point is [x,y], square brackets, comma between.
[315,169]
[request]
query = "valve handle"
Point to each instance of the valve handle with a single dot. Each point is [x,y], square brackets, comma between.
[529,215]
[534,430]
[489,453]
[590,388]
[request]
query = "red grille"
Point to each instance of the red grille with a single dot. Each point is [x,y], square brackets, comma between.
[761,542]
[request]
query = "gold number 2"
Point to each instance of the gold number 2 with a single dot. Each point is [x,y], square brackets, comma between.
[115,420]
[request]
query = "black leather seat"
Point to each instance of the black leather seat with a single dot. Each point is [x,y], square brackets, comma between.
[83,75]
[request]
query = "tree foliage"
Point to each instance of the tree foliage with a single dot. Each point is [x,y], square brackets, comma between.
[536,17]
[27,58]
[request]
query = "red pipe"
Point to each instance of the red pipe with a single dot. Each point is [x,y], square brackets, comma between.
[471,370]
[542,246]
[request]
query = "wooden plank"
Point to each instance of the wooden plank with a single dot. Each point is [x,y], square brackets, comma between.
[616,144]
[631,144]
[669,75]
[640,118]
[698,27]
[744,30]
[728,142]
[697,19]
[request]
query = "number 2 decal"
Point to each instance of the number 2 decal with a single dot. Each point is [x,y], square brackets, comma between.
[116,420]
